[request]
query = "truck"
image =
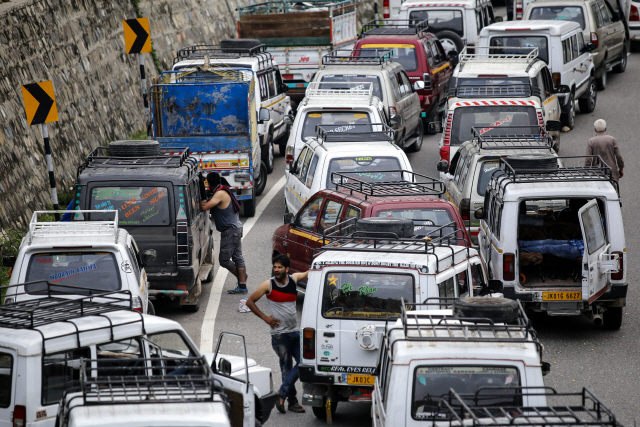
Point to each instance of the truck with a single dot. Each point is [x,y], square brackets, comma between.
[299,34]
[213,114]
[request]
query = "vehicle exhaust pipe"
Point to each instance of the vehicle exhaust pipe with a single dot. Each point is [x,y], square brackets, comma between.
[597,319]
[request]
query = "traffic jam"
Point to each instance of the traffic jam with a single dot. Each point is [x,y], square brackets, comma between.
[412,294]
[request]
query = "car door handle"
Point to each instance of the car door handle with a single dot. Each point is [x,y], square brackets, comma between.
[329,334]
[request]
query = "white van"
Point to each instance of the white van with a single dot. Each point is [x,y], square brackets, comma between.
[562,46]
[455,24]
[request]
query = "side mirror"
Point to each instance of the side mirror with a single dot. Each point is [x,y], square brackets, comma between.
[288,218]
[452,56]
[284,88]
[418,85]
[442,166]
[479,213]
[148,256]
[553,125]
[495,285]
[288,119]
[396,119]
[498,19]
[546,368]
[435,127]
[563,89]
[589,47]
[224,367]
[264,115]
[8,260]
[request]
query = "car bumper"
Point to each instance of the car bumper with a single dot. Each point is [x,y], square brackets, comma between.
[307,374]
[616,293]
[267,402]
[169,281]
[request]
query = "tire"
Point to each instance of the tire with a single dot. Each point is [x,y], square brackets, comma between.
[532,162]
[134,148]
[268,155]
[151,309]
[455,39]
[261,181]
[249,206]
[401,227]
[209,258]
[192,308]
[588,102]
[238,45]
[602,80]
[612,318]
[498,310]
[556,143]
[623,58]
[321,412]
[568,119]
[419,133]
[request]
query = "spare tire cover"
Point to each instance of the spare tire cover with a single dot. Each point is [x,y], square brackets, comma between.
[532,162]
[401,227]
[134,148]
[498,310]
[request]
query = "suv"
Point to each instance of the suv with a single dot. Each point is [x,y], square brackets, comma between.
[420,54]
[564,260]
[157,194]
[493,90]
[390,84]
[561,45]
[471,168]
[367,149]
[415,198]
[79,257]
[356,284]
[429,351]
[266,77]
[328,104]
[599,23]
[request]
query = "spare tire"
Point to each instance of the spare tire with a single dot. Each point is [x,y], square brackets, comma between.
[134,148]
[401,227]
[498,310]
[238,45]
[532,162]
[448,38]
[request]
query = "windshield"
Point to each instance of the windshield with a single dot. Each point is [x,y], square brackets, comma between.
[560,13]
[491,117]
[368,169]
[424,219]
[520,45]
[432,383]
[341,119]
[139,206]
[486,172]
[404,54]
[95,270]
[365,295]
[440,20]
[354,78]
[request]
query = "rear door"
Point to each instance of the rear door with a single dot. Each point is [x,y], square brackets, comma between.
[302,235]
[292,193]
[594,283]
[8,369]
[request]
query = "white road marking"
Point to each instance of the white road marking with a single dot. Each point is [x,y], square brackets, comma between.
[209,321]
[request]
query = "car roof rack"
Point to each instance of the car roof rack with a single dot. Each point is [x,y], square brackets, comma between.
[525,57]
[394,27]
[351,133]
[506,175]
[199,51]
[44,229]
[357,57]
[507,90]
[286,6]
[538,138]
[332,90]
[580,408]
[412,186]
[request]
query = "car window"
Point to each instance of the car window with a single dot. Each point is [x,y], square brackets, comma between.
[540,82]
[465,158]
[312,171]
[490,13]
[271,83]
[406,83]
[368,296]
[300,161]
[335,121]
[574,46]
[262,82]
[447,288]
[134,261]
[307,217]
[122,350]
[330,215]
[365,168]
[487,18]
[440,20]
[172,345]
[404,54]
[352,212]
[462,283]
[430,59]
[478,21]
[424,219]
[401,86]
[305,166]
[436,54]
[595,237]
[139,206]
[605,13]
[490,119]
[580,39]
[355,78]
[548,80]
[395,86]
[566,50]
[596,13]
[486,172]
[6,379]
[279,83]
[560,13]
[520,45]
[477,277]
[58,370]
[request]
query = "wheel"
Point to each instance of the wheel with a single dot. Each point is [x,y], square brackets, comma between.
[588,102]
[556,142]
[501,310]
[134,148]
[401,227]
[612,318]
[419,134]
[321,411]
[602,80]
[623,58]
[449,39]
[268,153]
[209,258]
[249,206]
[260,182]
[568,119]
[197,288]
[151,309]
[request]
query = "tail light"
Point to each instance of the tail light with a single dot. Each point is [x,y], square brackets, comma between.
[633,14]
[137,304]
[289,154]
[464,208]
[308,343]
[509,267]
[556,79]
[385,9]
[518,9]
[287,77]
[19,416]
[427,81]
[619,275]
[594,38]
[444,153]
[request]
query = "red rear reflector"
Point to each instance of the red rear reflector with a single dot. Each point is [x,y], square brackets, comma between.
[385,9]
[444,153]
[309,343]
[287,76]
[633,14]
[465,205]
[19,416]
[183,287]
[594,38]
[509,267]
[620,274]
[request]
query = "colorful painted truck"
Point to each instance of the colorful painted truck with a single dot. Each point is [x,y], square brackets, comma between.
[213,113]
[299,34]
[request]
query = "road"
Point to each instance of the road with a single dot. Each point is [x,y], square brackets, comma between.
[608,363]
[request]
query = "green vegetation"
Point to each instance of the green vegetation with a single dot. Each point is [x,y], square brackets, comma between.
[141,134]
[9,245]
[154,55]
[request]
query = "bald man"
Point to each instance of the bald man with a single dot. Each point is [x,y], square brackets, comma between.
[607,148]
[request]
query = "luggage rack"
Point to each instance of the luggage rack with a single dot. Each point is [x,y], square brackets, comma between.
[216,51]
[372,132]
[328,90]
[537,139]
[526,58]
[393,27]
[335,7]
[39,229]
[170,158]
[406,187]
[580,408]
[357,57]
[494,91]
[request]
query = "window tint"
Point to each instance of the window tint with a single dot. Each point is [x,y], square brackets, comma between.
[352,212]
[540,83]
[307,217]
[424,219]
[605,13]
[560,13]
[335,121]
[566,50]
[312,171]
[330,215]
[594,232]
[520,45]
[404,54]
[492,120]
[430,58]
[435,53]
[139,206]
[279,82]
[305,166]
[486,172]
[58,370]
[365,169]
[596,13]
[462,283]
[262,81]
[300,161]
[6,379]
[574,46]
[446,289]
[406,83]
[479,21]
[401,86]
[355,78]
[395,85]
[548,80]
[477,277]
[271,83]
[440,20]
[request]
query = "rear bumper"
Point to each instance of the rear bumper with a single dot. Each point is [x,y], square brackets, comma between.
[617,292]
[267,402]
[307,374]
[170,281]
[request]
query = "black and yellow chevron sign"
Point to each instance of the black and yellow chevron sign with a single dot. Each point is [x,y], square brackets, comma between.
[40,103]
[137,35]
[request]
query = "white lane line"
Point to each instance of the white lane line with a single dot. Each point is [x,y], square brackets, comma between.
[209,321]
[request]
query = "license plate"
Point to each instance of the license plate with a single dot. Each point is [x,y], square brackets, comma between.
[562,296]
[360,379]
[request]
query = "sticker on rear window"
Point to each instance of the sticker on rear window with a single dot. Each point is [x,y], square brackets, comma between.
[71,272]
[496,124]
[360,116]
[315,115]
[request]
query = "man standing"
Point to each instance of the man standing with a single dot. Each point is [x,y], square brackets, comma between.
[281,291]
[607,148]
[224,210]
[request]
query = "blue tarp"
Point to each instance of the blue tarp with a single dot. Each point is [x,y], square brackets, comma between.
[208,143]
[568,249]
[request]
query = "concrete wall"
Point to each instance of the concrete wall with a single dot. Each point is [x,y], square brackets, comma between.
[79,45]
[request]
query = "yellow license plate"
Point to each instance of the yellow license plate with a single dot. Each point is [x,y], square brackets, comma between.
[562,296]
[360,379]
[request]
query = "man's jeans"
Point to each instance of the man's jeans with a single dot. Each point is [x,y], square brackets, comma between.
[287,347]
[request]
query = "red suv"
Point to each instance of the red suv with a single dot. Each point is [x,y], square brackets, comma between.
[420,54]
[416,198]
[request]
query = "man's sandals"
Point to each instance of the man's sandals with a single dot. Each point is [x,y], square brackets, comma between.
[292,408]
